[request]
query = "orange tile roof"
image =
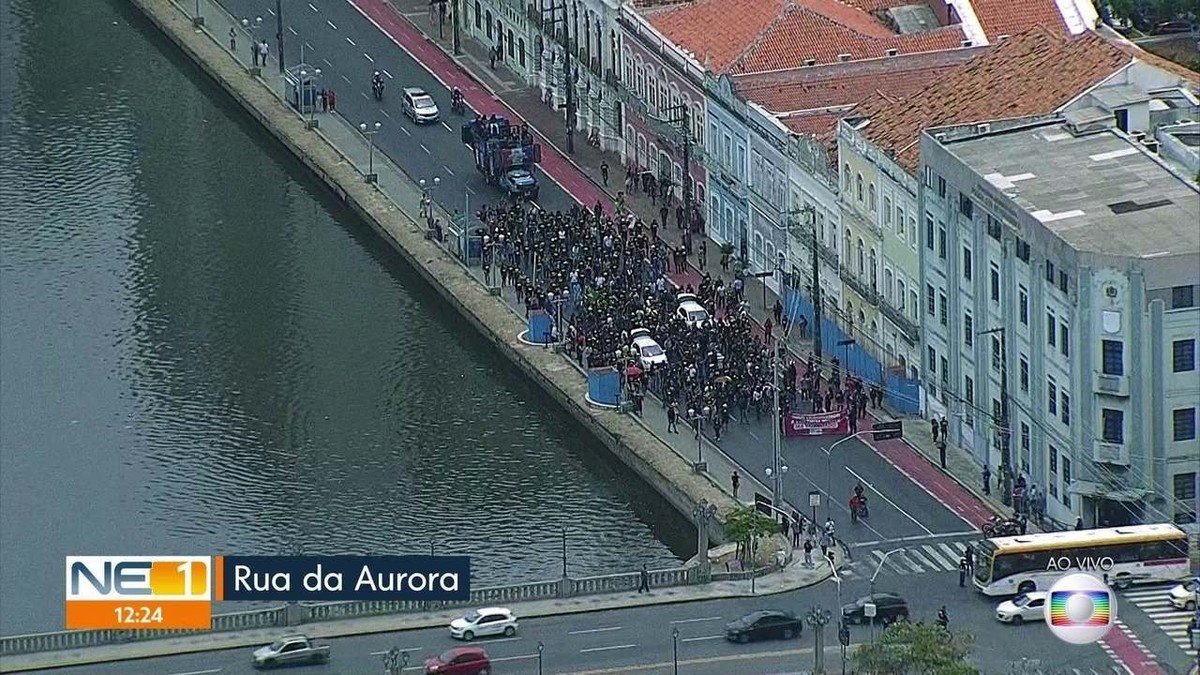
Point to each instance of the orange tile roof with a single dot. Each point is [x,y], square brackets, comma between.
[818,125]
[825,29]
[1013,17]
[716,32]
[1009,80]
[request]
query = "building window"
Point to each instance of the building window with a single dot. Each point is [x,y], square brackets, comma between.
[916,306]
[968,329]
[1064,407]
[965,206]
[1184,490]
[1183,297]
[1051,396]
[1050,323]
[1064,339]
[1023,305]
[478,15]
[1183,356]
[931,365]
[941,187]
[928,177]
[1066,474]
[993,228]
[900,229]
[929,309]
[1112,359]
[1053,462]
[1024,373]
[966,263]
[943,309]
[1049,272]
[858,187]
[1023,250]
[887,212]
[942,242]
[871,198]
[928,231]
[1113,422]
[995,353]
[995,283]
[969,397]
[1183,424]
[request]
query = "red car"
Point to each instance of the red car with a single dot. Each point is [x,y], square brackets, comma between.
[459,661]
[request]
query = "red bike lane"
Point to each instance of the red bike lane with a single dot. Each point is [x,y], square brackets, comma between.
[448,71]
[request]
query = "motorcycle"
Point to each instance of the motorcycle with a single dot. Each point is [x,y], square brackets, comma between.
[1001,527]
[458,106]
[859,511]
[377,89]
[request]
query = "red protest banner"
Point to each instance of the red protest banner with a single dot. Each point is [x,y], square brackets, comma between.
[816,424]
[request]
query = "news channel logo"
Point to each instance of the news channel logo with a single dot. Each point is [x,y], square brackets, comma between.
[1080,609]
[129,592]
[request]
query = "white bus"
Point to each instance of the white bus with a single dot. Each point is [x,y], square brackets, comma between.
[1134,554]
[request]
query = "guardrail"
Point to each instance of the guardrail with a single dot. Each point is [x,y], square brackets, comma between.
[285,616]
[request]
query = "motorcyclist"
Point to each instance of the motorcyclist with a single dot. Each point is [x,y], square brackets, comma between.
[377,84]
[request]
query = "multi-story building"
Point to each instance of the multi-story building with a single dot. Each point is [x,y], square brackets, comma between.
[1018,263]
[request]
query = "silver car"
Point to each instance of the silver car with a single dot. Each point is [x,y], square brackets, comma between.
[485,622]
[419,106]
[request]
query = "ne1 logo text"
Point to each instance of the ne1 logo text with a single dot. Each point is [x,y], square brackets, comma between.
[132,592]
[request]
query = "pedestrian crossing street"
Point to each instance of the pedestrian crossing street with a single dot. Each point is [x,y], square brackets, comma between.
[915,558]
[1152,600]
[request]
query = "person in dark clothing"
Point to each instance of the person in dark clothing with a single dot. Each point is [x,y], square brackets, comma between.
[736,481]
[1079,523]
[969,556]
[604,173]
[962,572]
[644,586]
[673,426]
[945,426]
[987,480]
[933,429]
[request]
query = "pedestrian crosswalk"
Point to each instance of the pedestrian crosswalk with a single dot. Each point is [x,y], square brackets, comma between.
[1153,602]
[915,558]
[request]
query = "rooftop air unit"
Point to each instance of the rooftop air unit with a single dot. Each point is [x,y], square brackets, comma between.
[893,52]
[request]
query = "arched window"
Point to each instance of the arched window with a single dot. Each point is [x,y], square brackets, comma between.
[520,51]
[887,286]
[488,23]
[900,295]
[871,197]
[858,187]
[862,262]
[862,318]
[874,328]
[846,177]
[512,53]
[874,271]
[478,15]
[846,250]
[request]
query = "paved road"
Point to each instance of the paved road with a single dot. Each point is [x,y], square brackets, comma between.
[339,40]
[639,640]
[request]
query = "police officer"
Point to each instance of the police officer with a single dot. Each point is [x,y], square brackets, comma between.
[962,572]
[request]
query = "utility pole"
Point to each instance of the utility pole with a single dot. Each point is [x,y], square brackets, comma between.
[777,486]
[279,32]
[1002,426]
[454,29]
[816,285]
[681,115]
[568,71]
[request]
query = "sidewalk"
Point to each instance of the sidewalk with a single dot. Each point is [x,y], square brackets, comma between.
[792,578]
[918,457]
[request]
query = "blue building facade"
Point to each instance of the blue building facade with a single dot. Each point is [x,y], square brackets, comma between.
[726,158]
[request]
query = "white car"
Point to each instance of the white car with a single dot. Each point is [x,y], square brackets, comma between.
[649,352]
[419,105]
[483,623]
[1024,607]
[690,310]
[1183,596]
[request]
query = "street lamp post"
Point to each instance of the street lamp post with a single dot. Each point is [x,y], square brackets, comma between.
[541,648]
[697,419]
[829,469]
[251,28]
[557,300]
[197,20]
[564,552]
[369,132]
[312,99]
[703,513]
[871,604]
[675,647]
[817,619]
[427,196]
[1002,424]
[843,630]
[776,450]
[777,475]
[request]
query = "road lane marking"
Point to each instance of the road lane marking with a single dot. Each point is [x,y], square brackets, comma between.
[364,94]
[952,555]
[703,618]
[666,666]
[884,497]
[369,57]
[915,537]
[701,639]
[937,557]
[906,558]
[405,130]
[522,657]
[389,75]
[425,149]
[293,30]
[385,113]
[347,80]
[327,63]
[312,7]
[331,24]
[448,170]
[492,641]
[309,47]
[402,649]
[270,11]
[200,672]
[592,630]
[352,43]
[447,127]
[606,649]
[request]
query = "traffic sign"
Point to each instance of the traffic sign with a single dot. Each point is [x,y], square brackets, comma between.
[814,498]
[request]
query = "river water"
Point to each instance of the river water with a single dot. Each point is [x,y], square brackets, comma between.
[202,353]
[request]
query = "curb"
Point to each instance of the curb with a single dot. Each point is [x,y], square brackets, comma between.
[244,642]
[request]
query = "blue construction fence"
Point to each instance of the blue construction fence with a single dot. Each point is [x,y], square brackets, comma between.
[604,386]
[903,394]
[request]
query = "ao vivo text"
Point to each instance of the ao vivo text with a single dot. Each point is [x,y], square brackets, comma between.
[169,592]
[1082,564]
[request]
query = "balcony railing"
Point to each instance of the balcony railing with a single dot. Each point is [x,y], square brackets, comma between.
[860,286]
[862,221]
[901,322]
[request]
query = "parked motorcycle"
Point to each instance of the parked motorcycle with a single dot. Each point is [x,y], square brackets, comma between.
[1001,527]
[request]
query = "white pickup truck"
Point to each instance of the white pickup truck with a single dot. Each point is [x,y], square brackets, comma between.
[290,650]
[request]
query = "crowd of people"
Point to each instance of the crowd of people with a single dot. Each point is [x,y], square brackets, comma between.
[602,276]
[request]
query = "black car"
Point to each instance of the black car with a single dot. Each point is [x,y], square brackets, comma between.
[764,625]
[889,608]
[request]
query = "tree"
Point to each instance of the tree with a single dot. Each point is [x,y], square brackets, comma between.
[918,649]
[744,524]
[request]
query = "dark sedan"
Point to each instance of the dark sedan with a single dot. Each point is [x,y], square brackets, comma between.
[889,608]
[764,625]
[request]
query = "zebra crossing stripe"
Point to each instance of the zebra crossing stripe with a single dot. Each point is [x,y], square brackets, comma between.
[889,562]
[905,558]
[952,553]
[938,558]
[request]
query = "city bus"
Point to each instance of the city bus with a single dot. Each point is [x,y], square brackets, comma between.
[1127,555]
